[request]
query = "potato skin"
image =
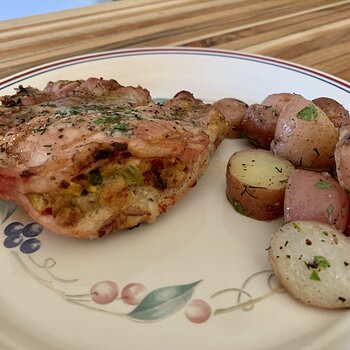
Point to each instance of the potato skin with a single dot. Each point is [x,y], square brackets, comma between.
[315,196]
[335,111]
[233,110]
[342,157]
[308,144]
[278,101]
[257,202]
[258,125]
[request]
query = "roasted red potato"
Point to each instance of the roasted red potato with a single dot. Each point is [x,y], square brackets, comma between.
[233,110]
[335,111]
[316,196]
[258,125]
[305,136]
[277,101]
[342,157]
[256,180]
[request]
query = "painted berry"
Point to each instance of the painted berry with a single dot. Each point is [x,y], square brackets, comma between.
[133,293]
[32,230]
[198,311]
[104,292]
[30,246]
[12,241]
[15,228]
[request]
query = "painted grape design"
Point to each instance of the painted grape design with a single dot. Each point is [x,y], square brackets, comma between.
[19,235]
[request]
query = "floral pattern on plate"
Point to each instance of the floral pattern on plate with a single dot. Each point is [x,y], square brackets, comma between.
[147,306]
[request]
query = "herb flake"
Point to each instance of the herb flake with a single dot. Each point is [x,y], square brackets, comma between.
[330,209]
[321,262]
[110,119]
[322,184]
[308,113]
[238,206]
[314,276]
[122,126]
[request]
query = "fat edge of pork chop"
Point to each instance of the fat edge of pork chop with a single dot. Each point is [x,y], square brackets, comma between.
[84,158]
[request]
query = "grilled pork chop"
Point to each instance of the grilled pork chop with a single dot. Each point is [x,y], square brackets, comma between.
[84,158]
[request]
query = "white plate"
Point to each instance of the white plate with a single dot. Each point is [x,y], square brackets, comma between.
[44,296]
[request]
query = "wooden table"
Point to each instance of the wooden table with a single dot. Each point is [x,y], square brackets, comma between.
[311,32]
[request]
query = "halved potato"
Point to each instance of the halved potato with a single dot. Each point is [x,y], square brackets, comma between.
[256,181]
[312,261]
[305,136]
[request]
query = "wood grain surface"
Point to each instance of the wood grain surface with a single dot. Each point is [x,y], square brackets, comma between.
[311,32]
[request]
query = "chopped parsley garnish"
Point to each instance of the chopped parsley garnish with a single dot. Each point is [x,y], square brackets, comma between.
[318,264]
[314,276]
[322,184]
[308,113]
[330,209]
[111,119]
[321,262]
[122,126]
[238,206]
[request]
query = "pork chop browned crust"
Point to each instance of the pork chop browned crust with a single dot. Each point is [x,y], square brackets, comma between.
[88,157]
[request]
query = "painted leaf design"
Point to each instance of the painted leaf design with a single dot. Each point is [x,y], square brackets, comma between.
[7,208]
[163,302]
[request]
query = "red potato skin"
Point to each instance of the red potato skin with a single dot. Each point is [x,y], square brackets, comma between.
[257,203]
[277,101]
[259,124]
[304,201]
[347,228]
[233,111]
[307,144]
[342,157]
[335,111]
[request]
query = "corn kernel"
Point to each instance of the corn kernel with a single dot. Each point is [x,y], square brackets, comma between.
[92,188]
[74,189]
